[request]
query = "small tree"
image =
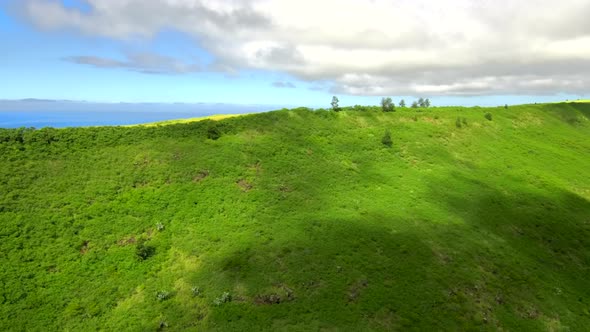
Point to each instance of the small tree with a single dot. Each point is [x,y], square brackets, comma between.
[415,104]
[402,103]
[334,104]
[426,102]
[506,106]
[387,105]
[386,140]
[421,102]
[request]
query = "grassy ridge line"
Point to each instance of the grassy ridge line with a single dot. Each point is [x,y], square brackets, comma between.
[219,117]
[216,117]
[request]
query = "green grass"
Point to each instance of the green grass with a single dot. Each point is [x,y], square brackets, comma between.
[298,220]
[215,117]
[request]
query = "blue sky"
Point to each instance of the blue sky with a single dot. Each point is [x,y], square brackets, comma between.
[49,53]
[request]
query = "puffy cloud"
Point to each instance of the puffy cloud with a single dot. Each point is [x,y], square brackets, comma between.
[362,47]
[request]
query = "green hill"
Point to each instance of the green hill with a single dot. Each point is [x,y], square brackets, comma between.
[301,220]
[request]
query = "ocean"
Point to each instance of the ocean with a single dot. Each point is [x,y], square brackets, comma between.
[61,119]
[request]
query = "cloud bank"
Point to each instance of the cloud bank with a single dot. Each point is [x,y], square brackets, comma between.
[378,47]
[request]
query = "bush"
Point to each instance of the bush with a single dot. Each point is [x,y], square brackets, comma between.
[144,251]
[196,291]
[163,295]
[488,116]
[458,123]
[224,298]
[386,140]
[213,132]
[464,121]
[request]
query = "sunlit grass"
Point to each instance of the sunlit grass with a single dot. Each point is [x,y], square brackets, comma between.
[215,117]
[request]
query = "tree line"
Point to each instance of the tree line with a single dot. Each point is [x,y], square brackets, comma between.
[387,104]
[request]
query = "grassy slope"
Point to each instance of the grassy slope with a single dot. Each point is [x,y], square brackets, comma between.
[482,227]
[215,117]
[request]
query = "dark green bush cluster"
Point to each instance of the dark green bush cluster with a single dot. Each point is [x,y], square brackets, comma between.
[386,140]
[488,116]
[213,132]
[144,251]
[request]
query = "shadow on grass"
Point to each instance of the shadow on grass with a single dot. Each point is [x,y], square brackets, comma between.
[515,261]
[532,245]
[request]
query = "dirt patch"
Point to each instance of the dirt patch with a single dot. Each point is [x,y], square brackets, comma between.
[127,241]
[431,120]
[84,247]
[244,185]
[268,299]
[52,269]
[281,294]
[200,176]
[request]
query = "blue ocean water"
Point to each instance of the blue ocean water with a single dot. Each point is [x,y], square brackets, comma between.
[61,119]
[62,113]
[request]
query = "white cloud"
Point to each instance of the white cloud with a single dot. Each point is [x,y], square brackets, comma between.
[370,47]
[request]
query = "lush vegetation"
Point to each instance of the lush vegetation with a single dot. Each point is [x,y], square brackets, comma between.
[301,220]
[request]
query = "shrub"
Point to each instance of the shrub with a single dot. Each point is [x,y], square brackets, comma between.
[162,326]
[144,251]
[464,121]
[458,123]
[386,140]
[224,298]
[488,116]
[196,291]
[213,132]
[163,295]
[506,106]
